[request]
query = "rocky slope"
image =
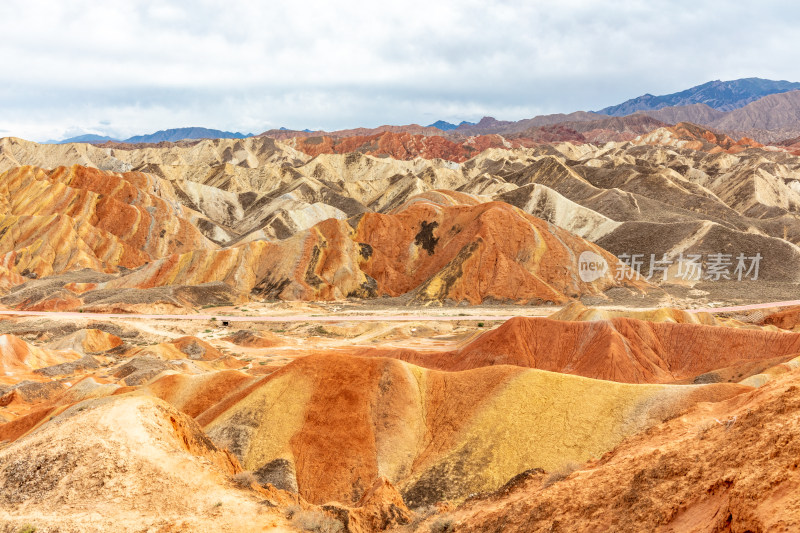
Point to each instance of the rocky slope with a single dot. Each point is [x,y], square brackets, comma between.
[728,466]
[432,434]
[432,248]
[694,113]
[771,118]
[406,145]
[682,191]
[621,349]
[490,125]
[18,359]
[370,442]
[428,251]
[124,464]
[362,426]
[768,119]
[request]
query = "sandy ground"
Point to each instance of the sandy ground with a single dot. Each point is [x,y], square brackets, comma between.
[258,339]
[290,330]
[346,312]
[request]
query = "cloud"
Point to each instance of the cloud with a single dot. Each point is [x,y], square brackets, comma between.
[122,68]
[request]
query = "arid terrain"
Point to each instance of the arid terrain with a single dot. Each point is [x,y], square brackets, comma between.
[577,323]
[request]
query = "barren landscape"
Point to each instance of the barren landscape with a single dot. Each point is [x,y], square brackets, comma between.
[530,329]
[429,266]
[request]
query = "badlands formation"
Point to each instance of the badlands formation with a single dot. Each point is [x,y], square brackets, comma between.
[398,331]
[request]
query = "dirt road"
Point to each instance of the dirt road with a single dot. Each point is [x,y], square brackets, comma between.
[262,318]
[460,314]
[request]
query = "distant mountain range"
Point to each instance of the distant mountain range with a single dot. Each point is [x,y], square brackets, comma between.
[773,118]
[765,110]
[447,126]
[171,135]
[721,95]
[88,138]
[179,134]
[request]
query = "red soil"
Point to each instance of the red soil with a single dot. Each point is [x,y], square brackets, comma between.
[622,349]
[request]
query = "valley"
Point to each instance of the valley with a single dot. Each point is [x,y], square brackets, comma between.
[580,322]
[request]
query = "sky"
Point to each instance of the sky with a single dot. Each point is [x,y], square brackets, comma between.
[137,66]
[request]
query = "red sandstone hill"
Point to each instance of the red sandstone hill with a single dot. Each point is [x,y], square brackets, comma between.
[402,145]
[599,131]
[432,252]
[792,145]
[788,318]
[329,425]
[79,217]
[621,349]
[489,125]
[730,466]
[414,129]
[474,253]
[455,146]
[436,247]
[694,137]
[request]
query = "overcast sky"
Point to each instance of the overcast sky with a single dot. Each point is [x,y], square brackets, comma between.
[130,67]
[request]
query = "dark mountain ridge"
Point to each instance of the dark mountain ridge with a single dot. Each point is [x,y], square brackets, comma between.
[720,95]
